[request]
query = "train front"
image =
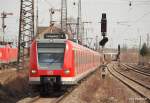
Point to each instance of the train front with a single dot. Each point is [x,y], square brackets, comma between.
[47,61]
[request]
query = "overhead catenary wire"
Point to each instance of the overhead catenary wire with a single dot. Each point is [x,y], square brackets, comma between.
[145,14]
[48,3]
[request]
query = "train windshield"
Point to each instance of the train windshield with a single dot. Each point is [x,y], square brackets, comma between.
[51,58]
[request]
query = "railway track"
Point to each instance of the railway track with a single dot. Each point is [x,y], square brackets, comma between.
[56,99]
[129,77]
[139,88]
[138,70]
[53,97]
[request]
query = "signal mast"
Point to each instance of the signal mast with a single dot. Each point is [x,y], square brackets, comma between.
[4,16]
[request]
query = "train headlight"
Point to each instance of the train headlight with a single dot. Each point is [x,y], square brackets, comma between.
[33,71]
[67,71]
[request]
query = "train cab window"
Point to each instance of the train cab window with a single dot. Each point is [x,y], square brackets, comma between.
[51,58]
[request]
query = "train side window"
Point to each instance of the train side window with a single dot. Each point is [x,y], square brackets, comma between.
[78,58]
[75,57]
[81,57]
[85,58]
[88,59]
[77,65]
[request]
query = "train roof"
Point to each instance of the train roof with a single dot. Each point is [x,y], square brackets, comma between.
[80,47]
[72,44]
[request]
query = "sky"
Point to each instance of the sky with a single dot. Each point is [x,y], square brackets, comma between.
[125,23]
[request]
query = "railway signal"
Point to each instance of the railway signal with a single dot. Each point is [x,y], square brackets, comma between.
[118,54]
[103,24]
[103,30]
[4,16]
[103,41]
[119,49]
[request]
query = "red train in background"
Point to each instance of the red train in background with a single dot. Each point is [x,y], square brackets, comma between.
[8,55]
[60,62]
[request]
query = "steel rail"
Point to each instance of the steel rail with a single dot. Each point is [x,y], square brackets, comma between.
[136,81]
[144,92]
[136,70]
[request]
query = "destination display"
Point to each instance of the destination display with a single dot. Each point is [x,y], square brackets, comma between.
[54,36]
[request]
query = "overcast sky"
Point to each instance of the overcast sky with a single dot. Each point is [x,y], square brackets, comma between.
[134,20]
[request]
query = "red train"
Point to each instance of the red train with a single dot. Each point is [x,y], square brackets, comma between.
[7,55]
[60,62]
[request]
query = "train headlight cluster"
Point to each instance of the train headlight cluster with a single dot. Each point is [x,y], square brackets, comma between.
[67,71]
[33,71]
